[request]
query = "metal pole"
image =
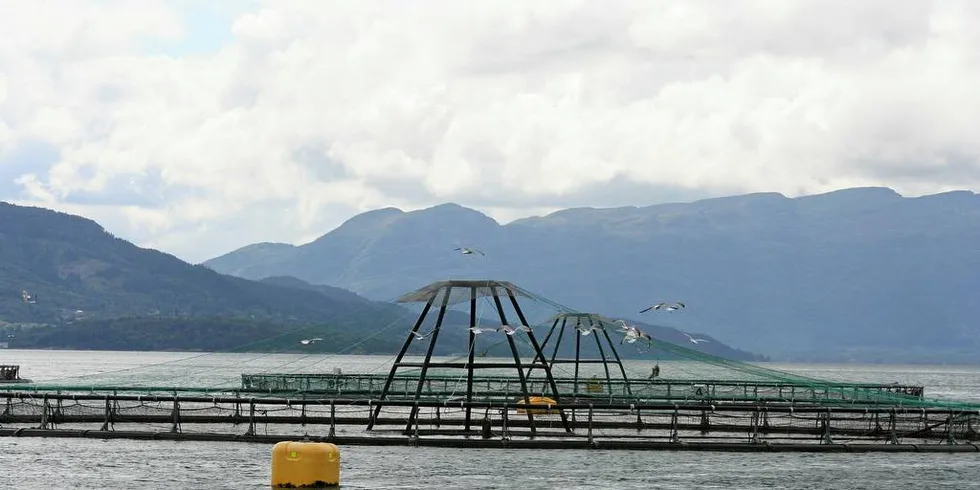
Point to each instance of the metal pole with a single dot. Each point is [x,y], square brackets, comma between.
[619,361]
[517,359]
[539,353]
[398,360]
[428,357]
[469,365]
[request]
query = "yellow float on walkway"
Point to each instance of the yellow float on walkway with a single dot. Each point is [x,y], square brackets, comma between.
[305,465]
[538,400]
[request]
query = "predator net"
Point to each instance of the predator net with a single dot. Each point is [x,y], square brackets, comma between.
[589,355]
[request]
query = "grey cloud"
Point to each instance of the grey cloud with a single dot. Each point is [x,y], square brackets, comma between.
[947,167]
[793,97]
[324,168]
[620,191]
[29,157]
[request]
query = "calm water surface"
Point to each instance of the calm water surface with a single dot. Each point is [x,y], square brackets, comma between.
[41,463]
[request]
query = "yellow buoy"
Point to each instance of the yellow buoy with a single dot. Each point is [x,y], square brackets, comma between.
[305,465]
[537,400]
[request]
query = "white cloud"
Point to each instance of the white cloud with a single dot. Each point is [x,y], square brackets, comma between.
[315,110]
[6,135]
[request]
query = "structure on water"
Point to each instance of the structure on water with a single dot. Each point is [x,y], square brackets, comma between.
[10,373]
[579,326]
[546,393]
[445,294]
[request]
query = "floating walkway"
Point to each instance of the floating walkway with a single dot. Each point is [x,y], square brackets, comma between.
[522,402]
[488,387]
[505,443]
[714,426]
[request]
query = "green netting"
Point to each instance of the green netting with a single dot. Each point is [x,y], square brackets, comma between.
[687,370]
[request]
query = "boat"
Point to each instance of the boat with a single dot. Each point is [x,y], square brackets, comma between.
[10,374]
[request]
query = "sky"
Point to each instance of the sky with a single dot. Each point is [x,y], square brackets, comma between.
[200,127]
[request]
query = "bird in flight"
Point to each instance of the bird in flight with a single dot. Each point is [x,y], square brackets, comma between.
[509,330]
[587,330]
[469,251]
[632,333]
[663,305]
[310,341]
[478,329]
[694,340]
[660,305]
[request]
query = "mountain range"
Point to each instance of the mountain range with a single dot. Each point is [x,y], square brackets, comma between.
[66,282]
[860,274]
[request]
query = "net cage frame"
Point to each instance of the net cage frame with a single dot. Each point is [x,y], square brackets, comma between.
[595,325]
[444,294]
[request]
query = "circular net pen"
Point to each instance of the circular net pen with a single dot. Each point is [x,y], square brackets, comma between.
[572,380]
[506,310]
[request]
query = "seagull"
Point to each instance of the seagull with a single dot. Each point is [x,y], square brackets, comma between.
[509,330]
[478,329]
[636,334]
[469,251]
[694,340]
[662,304]
[632,333]
[588,330]
[309,341]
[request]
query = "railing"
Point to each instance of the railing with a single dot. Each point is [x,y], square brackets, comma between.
[662,389]
[649,424]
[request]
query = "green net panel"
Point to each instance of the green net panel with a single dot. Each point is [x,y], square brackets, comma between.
[683,373]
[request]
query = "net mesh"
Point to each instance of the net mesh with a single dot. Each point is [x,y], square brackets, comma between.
[655,365]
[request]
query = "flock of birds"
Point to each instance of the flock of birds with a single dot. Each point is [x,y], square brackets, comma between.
[507,329]
[631,333]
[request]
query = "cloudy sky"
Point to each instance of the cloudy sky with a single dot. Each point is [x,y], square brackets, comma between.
[199,127]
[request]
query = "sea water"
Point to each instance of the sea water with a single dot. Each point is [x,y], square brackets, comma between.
[51,463]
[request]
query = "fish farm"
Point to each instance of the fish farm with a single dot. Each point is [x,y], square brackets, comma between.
[564,385]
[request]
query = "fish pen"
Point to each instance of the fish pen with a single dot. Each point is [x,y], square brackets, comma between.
[593,390]
[719,426]
[559,392]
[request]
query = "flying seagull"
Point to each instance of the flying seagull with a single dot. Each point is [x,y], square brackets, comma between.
[664,306]
[509,330]
[694,340]
[632,333]
[469,251]
[478,329]
[310,341]
[588,330]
